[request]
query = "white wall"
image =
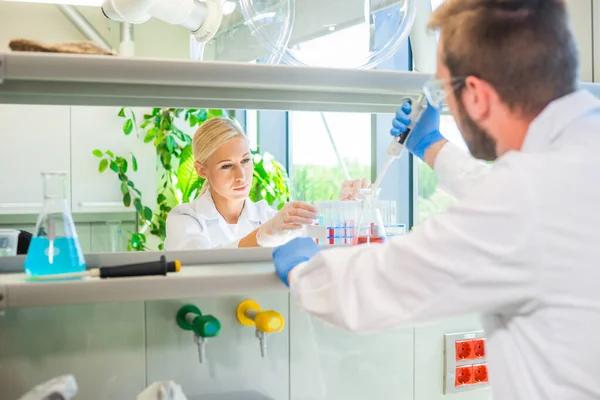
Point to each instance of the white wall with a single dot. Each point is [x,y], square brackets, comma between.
[582,23]
[44,22]
[72,133]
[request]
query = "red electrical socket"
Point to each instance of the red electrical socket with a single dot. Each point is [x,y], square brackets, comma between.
[464,349]
[480,373]
[478,348]
[464,375]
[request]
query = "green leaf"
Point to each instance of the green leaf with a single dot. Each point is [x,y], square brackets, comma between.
[186,173]
[114,166]
[103,165]
[110,153]
[123,166]
[151,134]
[171,143]
[124,188]
[147,116]
[202,115]
[145,124]
[147,213]
[160,198]
[122,112]
[134,120]
[161,246]
[193,120]
[215,113]
[138,204]
[127,199]
[134,163]
[135,241]
[122,177]
[128,127]
[97,153]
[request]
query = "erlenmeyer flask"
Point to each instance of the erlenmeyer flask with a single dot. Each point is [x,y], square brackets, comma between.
[55,247]
[370,228]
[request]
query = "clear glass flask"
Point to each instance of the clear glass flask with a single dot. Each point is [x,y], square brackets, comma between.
[370,228]
[55,247]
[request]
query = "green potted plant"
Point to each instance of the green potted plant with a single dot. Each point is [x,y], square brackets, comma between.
[178,181]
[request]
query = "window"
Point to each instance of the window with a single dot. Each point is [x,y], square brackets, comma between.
[433,200]
[252,128]
[436,3]
[325,145]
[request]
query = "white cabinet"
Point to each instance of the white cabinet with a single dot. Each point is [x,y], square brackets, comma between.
[32,139]
[102,128]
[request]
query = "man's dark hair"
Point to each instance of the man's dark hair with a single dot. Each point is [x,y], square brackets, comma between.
[524,48]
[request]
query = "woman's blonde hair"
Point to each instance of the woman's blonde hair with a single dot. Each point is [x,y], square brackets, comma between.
[211,135]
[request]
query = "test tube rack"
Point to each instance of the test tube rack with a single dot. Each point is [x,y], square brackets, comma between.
[340,218]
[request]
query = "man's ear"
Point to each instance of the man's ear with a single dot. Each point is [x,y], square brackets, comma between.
[200,169]
[477,98]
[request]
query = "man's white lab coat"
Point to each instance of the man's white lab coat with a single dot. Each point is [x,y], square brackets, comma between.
[198,225]
[521,247]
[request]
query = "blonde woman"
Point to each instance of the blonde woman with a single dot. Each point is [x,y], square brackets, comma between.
[223,215]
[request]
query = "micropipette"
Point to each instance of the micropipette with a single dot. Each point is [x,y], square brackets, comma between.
[397,147]
[161,267]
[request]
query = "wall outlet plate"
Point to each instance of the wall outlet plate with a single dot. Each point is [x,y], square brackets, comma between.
[451,363]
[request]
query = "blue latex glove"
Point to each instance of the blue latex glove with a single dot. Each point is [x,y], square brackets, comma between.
[291,254]
[425,133]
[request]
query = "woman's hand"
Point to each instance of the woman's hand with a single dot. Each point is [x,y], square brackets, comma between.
[291,217]
[350,190]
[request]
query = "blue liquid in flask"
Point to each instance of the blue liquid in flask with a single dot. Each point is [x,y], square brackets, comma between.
[55,248]
[64,257]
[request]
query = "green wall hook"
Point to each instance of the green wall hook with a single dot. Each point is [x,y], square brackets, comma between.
[190,318]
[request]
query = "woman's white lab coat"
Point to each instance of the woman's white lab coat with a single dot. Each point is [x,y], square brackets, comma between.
[521,247]
[198,225]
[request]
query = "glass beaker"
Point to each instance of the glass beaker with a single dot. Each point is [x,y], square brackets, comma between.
[9,241]
[115,236]
[55,247]
[370,228]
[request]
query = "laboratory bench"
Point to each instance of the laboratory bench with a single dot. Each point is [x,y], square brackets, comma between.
[203,274]
[117,336]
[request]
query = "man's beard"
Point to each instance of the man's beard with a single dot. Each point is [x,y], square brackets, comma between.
[480,143]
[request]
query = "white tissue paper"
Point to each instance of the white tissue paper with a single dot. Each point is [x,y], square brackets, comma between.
[165,390]
[60,388]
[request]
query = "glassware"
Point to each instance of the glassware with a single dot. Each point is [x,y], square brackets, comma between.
[9,239]
[55,247]
[332,33]
[370,228]
[115,236]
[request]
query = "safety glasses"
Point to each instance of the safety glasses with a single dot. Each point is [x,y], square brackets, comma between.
[436,93]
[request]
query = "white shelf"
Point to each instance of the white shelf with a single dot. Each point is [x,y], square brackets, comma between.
[65,79]
[213,273]
[192,282]
[36,78]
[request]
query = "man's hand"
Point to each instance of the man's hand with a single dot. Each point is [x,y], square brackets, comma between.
[288,256]
[424,134]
